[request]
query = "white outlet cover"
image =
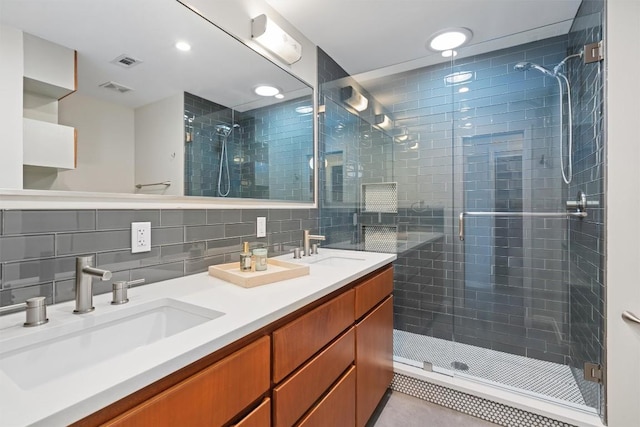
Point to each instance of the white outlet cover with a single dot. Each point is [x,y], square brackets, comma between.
[261,226]
[140,237]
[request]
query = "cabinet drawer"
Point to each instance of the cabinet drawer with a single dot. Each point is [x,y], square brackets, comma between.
[338,408]
[296,342]
[211,397]
[373,290]
[297,394]
[259,417]
[374,359]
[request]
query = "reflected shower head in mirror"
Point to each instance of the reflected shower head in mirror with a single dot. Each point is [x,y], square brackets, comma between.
[524,66]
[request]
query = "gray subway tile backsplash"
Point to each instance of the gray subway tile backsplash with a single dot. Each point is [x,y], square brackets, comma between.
[14,248]
[39,248]
[97,241]
[30,221]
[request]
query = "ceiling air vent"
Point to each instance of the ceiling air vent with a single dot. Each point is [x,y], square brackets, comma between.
[126,61]
[116,86]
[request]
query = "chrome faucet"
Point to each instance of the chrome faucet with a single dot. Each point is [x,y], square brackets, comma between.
[307,241]
[84,283]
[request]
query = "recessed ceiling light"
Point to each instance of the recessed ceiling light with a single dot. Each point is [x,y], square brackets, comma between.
[266,90]
[449,53]
[449,38]
[278,96]
[183,46]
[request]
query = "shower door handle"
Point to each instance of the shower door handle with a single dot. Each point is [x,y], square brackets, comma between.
[461,226]
[627,315]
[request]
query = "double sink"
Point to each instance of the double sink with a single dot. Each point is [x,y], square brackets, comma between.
[48,353]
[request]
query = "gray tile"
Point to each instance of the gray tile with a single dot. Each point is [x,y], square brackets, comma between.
[223,246]
[204,232]
[250,215]
[26,247]
[183,217]
[279,214]
[99,241]
[26,273]
[241,229]
[167,236]
[125,260]
[27,222]
[201,265]
[121,219]
[182,251]
[159,272]
[19,295]
[222,216]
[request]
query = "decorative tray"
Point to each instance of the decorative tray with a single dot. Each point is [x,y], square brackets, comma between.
[276,271]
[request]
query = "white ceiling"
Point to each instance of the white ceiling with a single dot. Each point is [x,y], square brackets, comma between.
[367,35]
[218,67]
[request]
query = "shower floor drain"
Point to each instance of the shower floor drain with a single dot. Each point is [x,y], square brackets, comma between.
[460,366]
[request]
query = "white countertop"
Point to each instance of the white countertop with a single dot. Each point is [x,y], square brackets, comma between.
[70,396]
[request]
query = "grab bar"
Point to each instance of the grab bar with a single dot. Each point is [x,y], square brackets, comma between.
[167,183]
[513,214]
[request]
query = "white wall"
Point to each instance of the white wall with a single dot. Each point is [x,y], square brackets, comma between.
[104,152]
[11,73]
[623,206]
[159,148]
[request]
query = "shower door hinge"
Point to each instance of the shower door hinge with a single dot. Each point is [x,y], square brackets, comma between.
[593,52]
[593,372]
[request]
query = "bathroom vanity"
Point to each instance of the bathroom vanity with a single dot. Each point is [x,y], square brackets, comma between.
[314,350]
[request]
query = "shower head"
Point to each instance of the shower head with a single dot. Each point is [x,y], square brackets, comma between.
[524,66]
[225,130]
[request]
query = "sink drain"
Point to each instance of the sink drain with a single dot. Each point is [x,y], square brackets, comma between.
[460,366]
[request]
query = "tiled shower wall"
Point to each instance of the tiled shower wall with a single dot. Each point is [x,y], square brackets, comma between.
[38,248]
[586,237]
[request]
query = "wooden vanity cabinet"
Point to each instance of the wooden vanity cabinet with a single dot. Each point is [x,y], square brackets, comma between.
[212,397]
[326,364]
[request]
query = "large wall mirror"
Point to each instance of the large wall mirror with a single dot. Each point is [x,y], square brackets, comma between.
[151,119]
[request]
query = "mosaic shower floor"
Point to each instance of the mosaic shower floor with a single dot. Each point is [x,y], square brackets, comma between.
[536,376]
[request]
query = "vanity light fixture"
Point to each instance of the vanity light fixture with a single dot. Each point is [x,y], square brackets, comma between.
[350,96]
[183,46]
[275,39]
[266,90]
[449,38]
[382,121]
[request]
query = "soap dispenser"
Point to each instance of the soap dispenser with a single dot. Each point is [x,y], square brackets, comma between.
[245,258]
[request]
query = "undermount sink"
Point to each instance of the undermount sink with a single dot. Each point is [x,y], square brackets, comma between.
[51,354]
[337,261]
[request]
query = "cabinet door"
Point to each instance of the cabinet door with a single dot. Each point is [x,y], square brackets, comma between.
[211,397]
[374,359]
[337,408]
[296,342]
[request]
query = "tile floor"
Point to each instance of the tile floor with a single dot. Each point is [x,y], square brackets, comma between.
[402,410]
[535,376]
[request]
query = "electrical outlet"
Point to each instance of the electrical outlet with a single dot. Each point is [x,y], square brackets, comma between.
[140,237]
[261,226]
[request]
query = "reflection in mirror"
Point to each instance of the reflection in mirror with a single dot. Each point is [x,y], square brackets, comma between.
[152,117]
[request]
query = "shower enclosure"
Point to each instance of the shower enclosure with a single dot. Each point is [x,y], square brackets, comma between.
[499,276]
